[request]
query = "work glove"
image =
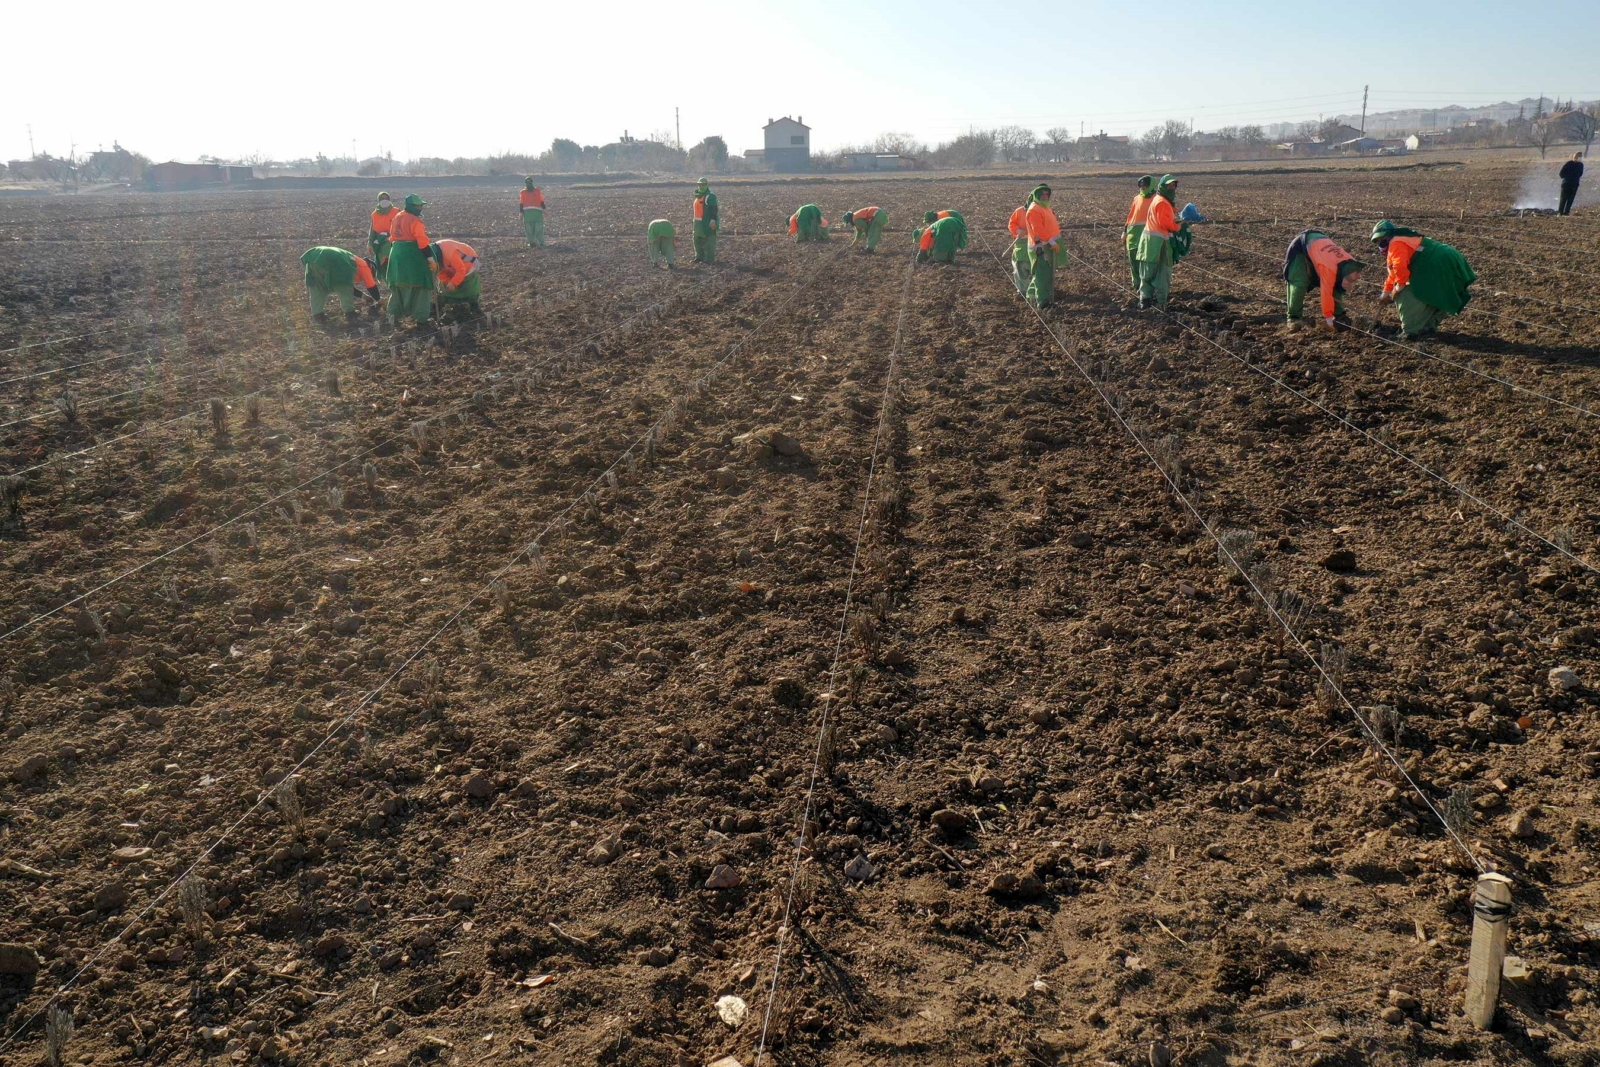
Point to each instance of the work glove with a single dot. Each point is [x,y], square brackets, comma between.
[372,294]
[1328,324]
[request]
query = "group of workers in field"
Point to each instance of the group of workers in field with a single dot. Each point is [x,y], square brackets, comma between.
[1426,280]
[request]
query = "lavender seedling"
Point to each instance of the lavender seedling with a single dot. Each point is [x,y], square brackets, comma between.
[67,404]
[1330,679]
[1457,808]
[1236,549]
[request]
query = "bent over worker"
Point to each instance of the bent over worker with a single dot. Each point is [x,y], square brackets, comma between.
[1314,261]
[707,221]
[663,240]
[931,217]
[868,223]
[940,241]
[334,272]
[1427,279]
[458,278]
[1044,242]
[1021,265]
[1160,245]
[381,220]
[409,276]
[807,224]
[531,201]
[1133,228]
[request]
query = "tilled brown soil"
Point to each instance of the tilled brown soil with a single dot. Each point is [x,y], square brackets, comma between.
[1078,795]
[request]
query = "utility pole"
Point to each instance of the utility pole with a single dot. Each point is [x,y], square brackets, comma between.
[1364,89]
[677,123]
[31,153]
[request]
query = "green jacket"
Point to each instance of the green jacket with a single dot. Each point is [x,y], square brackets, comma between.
[329,268]
[1440,276]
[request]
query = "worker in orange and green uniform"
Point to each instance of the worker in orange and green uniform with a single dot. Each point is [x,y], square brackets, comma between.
[382,219]
[531,201]
[410,278]
[931,217]
[457,276]
[334,272]
[1314,261]
[1427,279]
[1021,264]
[1045,249]
[868,223]
[1165,240]
[1133,228]
[940,241]
[707,221]
[807,224]
[663,239]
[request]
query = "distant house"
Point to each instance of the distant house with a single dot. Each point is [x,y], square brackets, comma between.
[1340,134]
[1360,144]
[875,161]
[787,145]
[1099,147]
[171,176]
[756,157]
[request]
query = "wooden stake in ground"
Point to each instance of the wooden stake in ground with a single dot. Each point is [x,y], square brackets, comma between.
[1491,915]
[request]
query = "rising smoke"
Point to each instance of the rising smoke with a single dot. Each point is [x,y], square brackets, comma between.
[1541,189]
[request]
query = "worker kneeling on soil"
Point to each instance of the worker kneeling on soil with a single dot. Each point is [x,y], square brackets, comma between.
[868,223]
[1427,280]
[1021,263]
[410,278]
[531,200]
[807,224]
[1165,240]
[931,217]
[334,272]
[1314,261]
[1133,228]
[1044,247]
[381,221]
[940,241]
[458,275]
[663,243]
[706,223]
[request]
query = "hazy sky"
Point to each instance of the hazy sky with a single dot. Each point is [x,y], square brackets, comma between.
[181,79]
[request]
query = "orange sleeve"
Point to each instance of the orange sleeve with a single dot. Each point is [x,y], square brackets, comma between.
[1328,275]
[364,274]
[1399,259]
[925,243]
[1018,223]
[794,224]
[1133,209]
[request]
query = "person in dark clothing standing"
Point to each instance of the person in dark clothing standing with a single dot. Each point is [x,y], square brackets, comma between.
[1571,174]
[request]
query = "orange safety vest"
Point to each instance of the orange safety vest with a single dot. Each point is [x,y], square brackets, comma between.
[531,198]
[1401,249]
[1019,221]
[408,227]
[1139,210]
[1161,220]
[364,276]
[699,208]
[866,214]
[1042,225]
[382,220]
[1325,257]
[460,260]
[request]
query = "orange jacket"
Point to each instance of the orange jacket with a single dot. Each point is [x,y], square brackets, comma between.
[382,220]
[1401,249]
[531,198]
[1042,225]
[1139,210]
[1019,222]
[1325,257]
[1161,220]
[364,276]
[408,227]
[459,261]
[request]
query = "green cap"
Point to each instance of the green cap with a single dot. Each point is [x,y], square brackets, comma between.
[1166,180]
[930,216]
[414,201]
[528,181]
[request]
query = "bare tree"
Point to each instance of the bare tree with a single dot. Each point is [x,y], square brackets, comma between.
[1583,125]
[1015,143]
[1544,133]
[895,142]
[1253,136]
[1057,139]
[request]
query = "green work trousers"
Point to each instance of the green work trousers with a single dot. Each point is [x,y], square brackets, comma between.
[1042,286]
[378,243]
[662,250]
[319,298]
[705,243]
[410,302]
[1415,316]
[533,226]
[1155,271]
[1131,242]
[872,231]
[1021,265]
[468,292]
